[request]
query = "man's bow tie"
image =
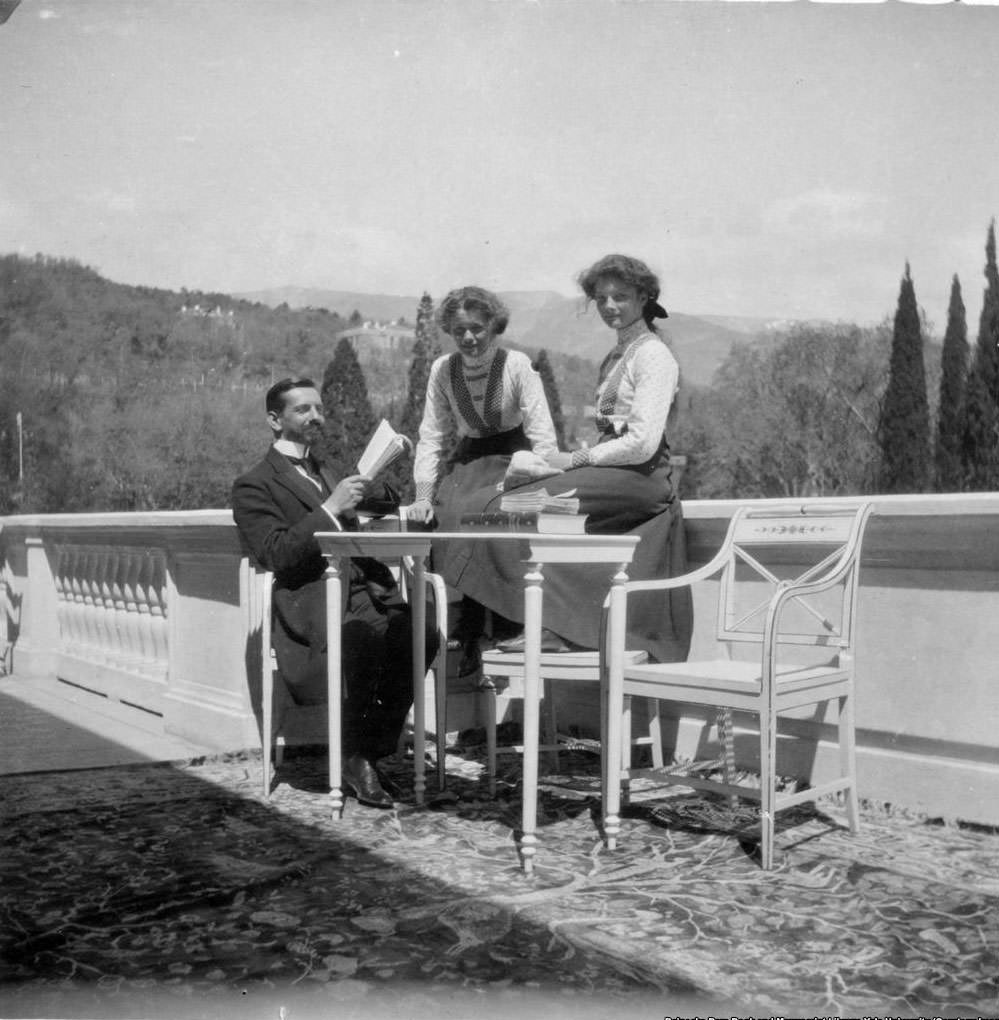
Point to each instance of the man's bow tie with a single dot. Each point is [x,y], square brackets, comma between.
[311,468]
[308,465]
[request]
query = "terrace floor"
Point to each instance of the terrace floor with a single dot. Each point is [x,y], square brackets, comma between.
[143,878]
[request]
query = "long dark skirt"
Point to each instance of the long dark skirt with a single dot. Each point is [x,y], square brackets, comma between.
[475,473]
[636,500]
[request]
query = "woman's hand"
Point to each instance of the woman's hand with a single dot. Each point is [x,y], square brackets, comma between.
[421,511]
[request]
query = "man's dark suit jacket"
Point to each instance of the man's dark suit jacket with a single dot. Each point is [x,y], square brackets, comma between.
[278,513]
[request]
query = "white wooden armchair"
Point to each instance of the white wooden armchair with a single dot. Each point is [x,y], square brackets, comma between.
[788,582]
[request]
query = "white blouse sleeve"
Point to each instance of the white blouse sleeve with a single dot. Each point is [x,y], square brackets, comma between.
[534,409]
[437,416]
[655,376]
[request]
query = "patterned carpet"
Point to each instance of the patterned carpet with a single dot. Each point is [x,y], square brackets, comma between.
[152,891]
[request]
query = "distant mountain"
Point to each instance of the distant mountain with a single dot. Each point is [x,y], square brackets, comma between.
[745,323]
[546,319]
[380,307]
[572,328]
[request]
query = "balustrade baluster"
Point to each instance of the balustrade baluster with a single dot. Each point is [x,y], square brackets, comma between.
[91,603]
[105,605]
[77,614]
[63,596]
[119,615]
[158,610]
[133,565]
[146,645]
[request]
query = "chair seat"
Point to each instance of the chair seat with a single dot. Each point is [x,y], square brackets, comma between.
[724,675]
[580,666]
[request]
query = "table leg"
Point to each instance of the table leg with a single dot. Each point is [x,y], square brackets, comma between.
[334,679]
[533,593]
[419,619]
[612,704]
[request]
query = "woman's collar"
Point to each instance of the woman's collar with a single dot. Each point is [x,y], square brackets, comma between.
[632,332]
[482,361]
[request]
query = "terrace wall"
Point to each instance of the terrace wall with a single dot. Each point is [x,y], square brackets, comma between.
[161,611]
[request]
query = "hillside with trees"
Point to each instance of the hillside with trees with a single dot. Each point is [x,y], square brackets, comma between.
[136,398]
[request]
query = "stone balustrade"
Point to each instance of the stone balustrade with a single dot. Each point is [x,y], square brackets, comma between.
[161,611]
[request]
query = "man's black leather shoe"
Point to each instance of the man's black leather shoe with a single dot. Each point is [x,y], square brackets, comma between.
[361,779]
[471,659]
[550,642]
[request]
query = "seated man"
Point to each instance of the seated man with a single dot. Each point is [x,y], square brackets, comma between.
[279,506]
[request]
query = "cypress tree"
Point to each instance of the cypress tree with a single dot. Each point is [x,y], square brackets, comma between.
[977,434]
[419,369]
[953,379]
[905,426]
[349,418]
[400,474]
[544,368]
[981,431]
[988,326]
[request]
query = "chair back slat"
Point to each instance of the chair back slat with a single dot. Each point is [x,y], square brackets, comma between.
[770,548]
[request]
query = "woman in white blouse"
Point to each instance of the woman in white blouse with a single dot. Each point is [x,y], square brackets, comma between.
[637,383]
[495,402]
[624,482]
[491,396]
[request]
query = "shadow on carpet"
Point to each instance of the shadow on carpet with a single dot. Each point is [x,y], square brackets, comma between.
[157,891]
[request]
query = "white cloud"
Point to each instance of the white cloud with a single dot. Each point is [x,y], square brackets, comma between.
[826,213]
[114,201]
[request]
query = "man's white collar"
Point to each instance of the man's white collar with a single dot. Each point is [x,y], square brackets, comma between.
[290,448]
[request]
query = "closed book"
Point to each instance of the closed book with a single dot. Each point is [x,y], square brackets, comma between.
[532,521]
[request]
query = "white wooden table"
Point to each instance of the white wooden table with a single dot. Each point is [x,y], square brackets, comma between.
[615,550]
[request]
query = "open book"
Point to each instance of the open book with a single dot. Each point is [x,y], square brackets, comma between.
[384,446]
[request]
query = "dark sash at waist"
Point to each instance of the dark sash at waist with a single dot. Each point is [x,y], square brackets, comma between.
[498,444]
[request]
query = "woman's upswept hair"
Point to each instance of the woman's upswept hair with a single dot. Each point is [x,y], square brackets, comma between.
[473,299]
[630,271]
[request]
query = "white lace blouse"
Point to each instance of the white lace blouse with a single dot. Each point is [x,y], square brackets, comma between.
[633,399]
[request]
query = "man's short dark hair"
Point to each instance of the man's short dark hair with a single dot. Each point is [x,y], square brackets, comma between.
[275,395]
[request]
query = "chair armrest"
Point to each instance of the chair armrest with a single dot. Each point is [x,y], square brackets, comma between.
[712,567]
[681,581]
[433,585]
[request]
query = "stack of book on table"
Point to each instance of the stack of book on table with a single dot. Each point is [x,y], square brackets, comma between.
[531,511]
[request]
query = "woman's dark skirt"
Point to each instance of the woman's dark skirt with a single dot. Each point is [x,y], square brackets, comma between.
[475,472]
[638,500]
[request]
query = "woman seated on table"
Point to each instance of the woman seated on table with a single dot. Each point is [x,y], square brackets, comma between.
[624,484]
[495,402]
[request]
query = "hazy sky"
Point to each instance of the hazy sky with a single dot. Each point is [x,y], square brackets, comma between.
[777,159]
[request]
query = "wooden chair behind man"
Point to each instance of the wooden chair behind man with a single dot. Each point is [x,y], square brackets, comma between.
[273,695]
